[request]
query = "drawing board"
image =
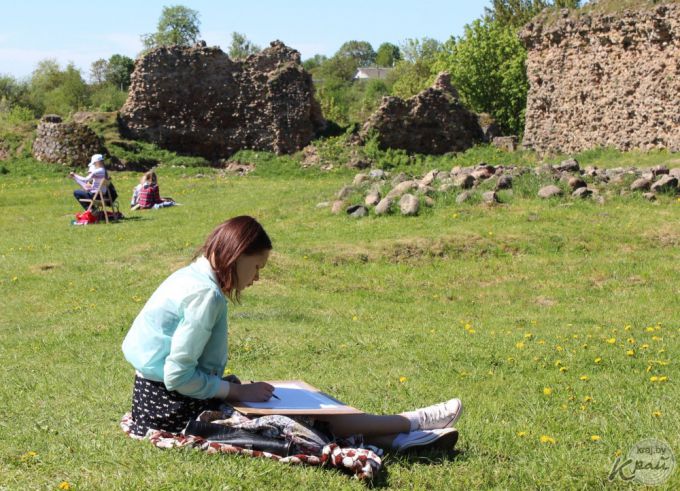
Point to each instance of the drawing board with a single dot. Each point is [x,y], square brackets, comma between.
[296,397]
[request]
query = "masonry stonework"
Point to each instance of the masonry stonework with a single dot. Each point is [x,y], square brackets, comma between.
[604,80]
[197,100]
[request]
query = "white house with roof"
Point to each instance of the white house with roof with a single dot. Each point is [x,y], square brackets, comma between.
[370,73]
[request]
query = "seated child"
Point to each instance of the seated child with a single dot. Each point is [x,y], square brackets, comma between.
[147,194]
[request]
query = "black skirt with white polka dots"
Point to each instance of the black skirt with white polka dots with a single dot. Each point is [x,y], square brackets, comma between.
[154,407]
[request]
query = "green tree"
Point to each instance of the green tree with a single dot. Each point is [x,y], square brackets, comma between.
[314,62]
[177,25]
[241,47]
[98,71]
[415,71]
[359,51]
[119,70]
[487,67]
[53,90]
[387,55]
[425,49]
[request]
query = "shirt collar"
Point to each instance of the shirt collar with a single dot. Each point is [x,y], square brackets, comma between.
[203,266]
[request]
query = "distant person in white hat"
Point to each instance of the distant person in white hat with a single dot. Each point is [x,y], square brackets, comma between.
[91,183]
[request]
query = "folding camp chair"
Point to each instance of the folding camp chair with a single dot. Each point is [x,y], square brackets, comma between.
[101,200]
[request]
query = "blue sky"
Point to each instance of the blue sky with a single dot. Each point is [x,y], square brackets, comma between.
[81,31]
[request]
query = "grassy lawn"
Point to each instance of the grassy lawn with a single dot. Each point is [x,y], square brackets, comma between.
[556,322]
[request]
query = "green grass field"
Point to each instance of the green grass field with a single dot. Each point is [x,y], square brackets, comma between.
[556,322]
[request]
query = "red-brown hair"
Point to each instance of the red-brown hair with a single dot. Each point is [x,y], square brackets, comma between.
[237,236]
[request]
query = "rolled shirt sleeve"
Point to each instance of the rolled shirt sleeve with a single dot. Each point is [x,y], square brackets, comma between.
[201,311]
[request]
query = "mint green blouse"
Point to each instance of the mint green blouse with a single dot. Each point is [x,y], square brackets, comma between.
[180,336]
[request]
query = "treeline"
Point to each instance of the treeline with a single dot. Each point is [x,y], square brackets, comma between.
[486,63]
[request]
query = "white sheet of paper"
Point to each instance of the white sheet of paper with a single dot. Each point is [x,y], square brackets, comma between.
[294,397]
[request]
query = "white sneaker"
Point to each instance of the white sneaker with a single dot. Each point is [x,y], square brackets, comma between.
[444,439]
[442,415]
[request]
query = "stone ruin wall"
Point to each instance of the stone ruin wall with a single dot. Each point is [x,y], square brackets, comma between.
[604,81]
[69,144]
[196,100]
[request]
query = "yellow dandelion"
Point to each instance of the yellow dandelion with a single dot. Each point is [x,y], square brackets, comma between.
[611,340]
[630,352]
[521,434]
[644,346]
[563,369]
[656,414]
[547,391]
[547,439]
[558,363]
[653,378]
[64,485]
[519,345]
[587,399]
[402,379]
[584,346]
[471,331]
[630,340]
[618,453]
[627,327]
[663,378]
[455,215]
[528,335]
[649,329]
[541,341]
[598,360]
[305,257]
[656,338]
[585,378]
[595,438]
[510,359]
[559,348]
[583,408]
[354,317]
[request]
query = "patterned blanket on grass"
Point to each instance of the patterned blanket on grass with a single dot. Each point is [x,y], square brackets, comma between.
[310,447]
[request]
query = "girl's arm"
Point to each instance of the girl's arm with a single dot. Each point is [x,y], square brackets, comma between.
[201,310]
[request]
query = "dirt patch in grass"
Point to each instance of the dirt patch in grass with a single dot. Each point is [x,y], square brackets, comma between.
[666,236]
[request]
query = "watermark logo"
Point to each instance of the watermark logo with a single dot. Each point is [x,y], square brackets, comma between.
[649,462]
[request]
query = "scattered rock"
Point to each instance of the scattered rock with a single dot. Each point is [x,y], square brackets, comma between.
[504,182]
[675,172]
[506,143]
[372,198]
[337,207]
[428,201]
[359,179]
[490,197]
[357,211]
[409,205]
[429,178]
[569,165]
[582,192]
[401,188]
[377,174]
[463,197]
[641,184]
[575,183]
[464,181]
[659,170]
[384,206]
[649,196]
[357,163]
[345,192]
[665,184]
[549,191]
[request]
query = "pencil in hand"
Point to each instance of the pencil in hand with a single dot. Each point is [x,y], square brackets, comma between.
[273,395]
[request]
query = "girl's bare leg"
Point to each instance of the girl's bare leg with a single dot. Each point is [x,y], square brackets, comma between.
[369,425]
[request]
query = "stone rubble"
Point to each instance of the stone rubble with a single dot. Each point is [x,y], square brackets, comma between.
[377,191]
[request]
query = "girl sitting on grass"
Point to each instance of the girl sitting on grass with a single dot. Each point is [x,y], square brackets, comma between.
[178,347]
[147,194]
